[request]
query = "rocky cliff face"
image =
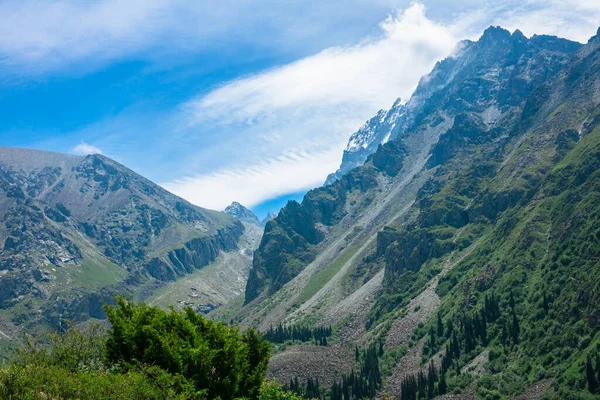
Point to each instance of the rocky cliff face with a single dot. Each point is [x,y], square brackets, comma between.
[477,90]
[74,231]
[488,77]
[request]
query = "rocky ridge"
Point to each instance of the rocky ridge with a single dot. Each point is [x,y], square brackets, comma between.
[75,231]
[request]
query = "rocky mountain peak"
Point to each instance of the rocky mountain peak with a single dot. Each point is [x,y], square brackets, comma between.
[477,78]
[495,34]
[96,227]
[240,212]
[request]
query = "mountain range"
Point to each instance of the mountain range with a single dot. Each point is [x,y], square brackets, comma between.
[454,254]
[75,231]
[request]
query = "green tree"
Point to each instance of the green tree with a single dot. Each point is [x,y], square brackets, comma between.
[215,358]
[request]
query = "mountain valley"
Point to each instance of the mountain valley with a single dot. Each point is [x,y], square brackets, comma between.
[455,253]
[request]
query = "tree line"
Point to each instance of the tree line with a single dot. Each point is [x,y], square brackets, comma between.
[357,385]
[281,334]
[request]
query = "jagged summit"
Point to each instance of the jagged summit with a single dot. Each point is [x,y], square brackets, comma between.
[270,215]
[492,63]
[240,212]
[495,34]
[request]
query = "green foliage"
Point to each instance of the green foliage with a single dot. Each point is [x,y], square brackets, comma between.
[146,354]
[270,390]
[77,350]
[215,358]
[301,333]
[44,381]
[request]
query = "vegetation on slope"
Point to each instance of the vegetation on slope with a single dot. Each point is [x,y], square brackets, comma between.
[517,198]
[527,294]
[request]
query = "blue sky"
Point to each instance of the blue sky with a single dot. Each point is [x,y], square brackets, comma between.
[232,100]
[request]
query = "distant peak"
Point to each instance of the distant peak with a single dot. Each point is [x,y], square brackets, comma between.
[494,33]
[240,212]
[270,215]
[518,35]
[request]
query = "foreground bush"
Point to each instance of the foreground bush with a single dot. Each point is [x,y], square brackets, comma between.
[215,358]
[52,382]
[146,354]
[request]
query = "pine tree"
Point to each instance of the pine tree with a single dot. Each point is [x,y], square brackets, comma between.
[450,328]
[431,339]
[440,325]
[515,330]
[442,387]
[483,332]
[431,379]
[504,334]
[591,376]
[598,368]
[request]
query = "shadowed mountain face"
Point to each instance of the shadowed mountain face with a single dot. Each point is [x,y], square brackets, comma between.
[76,230]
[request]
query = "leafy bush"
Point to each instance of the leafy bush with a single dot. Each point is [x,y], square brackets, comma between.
[146,354]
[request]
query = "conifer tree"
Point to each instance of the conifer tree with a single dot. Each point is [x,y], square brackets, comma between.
[514,328]
[442,387]
[592,380]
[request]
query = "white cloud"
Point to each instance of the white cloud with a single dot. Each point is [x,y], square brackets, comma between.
[369,74]
[275,177]
[281,130]
[311,105]
[84,149]
[37,36]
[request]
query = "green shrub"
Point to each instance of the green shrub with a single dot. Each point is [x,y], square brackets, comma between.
[146,354]
[217,359]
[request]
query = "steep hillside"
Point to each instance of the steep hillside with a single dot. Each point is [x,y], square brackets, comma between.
[484,83]
[76,230]
[468,240]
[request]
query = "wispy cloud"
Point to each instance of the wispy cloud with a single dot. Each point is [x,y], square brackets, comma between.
[277,131]
[311,105]
[84,149]
[38,37]
[288,173]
